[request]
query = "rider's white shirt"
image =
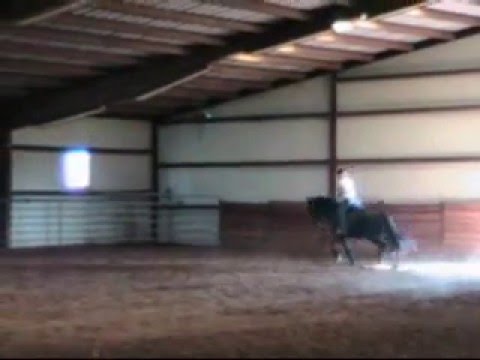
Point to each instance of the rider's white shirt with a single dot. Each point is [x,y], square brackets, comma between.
[346,189]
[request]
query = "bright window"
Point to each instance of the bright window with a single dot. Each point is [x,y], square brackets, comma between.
[76,169]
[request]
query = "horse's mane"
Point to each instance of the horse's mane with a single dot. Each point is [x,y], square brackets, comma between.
[323,199]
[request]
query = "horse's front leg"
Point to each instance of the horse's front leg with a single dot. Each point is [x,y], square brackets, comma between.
[381,253]
[395,258]
[334,243]
[335,253]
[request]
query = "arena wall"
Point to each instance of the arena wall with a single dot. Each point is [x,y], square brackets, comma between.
[44,213]
[407,127]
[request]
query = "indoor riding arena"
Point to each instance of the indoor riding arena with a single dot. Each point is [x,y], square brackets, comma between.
[158,158]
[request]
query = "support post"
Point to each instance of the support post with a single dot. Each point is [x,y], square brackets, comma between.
[443,215]
[5,187]
[332,129]
[154,188]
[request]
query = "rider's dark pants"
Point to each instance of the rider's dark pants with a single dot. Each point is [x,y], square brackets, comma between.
[342,216]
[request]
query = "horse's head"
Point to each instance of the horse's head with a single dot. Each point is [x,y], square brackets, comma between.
[321,208]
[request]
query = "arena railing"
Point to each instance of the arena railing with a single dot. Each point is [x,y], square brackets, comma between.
[112,218]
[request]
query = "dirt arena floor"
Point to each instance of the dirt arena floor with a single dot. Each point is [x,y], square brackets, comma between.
[159,302]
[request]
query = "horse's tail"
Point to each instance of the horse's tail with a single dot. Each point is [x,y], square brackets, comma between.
[392,232]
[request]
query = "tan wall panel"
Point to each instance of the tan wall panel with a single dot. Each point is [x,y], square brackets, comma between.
[278,140]
[307,96]
[460,54]
[247,184]
[95,132]
[40,171]
[409,93]
[418,183]
[410,135]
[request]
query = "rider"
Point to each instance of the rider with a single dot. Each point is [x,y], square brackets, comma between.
[346,196]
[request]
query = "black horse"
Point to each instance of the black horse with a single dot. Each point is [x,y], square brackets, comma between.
[376,227]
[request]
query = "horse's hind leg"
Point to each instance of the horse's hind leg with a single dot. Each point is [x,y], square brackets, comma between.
[396,259]
[336,253]
[348,251]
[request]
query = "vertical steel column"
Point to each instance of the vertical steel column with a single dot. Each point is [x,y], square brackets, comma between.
[5,187]
[332,130]
[154,186]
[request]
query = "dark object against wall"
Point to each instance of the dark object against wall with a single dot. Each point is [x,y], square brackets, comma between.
[16,10]
[5,186]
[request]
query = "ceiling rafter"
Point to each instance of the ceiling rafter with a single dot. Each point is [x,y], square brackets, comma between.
[207,93]
[162,102]
[145,32]
[415,30]
[153,73]
[280,61]
[22,80]
[62,55]
[285,51]
[368,41]
[140,108]
[171,85]
[207,82]
[70,38]
[175,16]
[267,8]
[235,71]
[298,50]
[146,109]
[37,67]
[188,114]
[183,93]
[442,15]
[69,5]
